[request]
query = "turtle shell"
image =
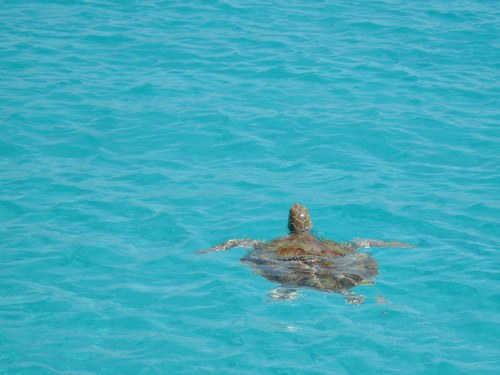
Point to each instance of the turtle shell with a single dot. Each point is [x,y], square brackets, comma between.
[302,260]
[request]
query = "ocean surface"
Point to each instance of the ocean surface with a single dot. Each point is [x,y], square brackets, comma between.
[134,133]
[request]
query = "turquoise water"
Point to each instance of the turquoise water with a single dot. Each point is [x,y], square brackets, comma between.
[134,133]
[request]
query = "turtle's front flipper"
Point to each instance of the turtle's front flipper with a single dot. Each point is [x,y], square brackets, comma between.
[240,242]
[377,243]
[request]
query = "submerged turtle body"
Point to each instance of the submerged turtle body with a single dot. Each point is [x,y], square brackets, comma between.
[328,274]
[302,260]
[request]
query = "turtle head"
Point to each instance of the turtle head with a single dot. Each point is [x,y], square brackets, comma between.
[299,220]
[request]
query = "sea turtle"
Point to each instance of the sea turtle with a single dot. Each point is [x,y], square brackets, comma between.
[303,260]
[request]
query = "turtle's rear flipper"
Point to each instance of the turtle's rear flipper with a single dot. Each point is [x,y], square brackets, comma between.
[240,242]
[353,299]
[378,243]
[284,293]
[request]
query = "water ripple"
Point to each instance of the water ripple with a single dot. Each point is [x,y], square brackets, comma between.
[132,136]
